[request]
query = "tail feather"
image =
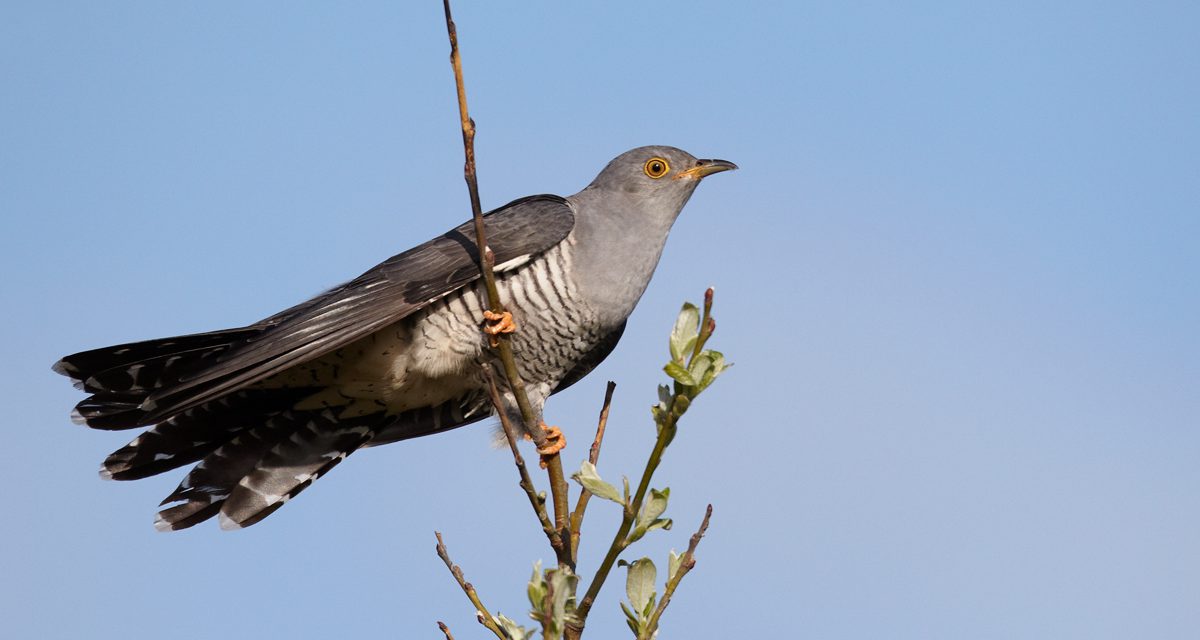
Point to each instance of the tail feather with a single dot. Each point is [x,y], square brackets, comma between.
[205,488]
[255,450]
[294,463]
[195,433]
[149,374]
[122,377]
[109,412]
[186,515]
[260,469]
[85,364]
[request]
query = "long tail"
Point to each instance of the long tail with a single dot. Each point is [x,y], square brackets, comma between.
[260,469]
[189,436]
[256,451]
[120,378]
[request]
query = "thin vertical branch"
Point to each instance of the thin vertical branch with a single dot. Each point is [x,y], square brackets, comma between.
[446,630]
[594,452]
[558,481]
[593,457]
[485,618]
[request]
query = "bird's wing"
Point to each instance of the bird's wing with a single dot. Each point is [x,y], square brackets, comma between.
[383,295]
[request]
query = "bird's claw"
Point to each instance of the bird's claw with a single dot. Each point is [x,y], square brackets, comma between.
[495,324]
[555,441]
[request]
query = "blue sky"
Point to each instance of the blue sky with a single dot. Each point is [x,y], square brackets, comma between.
[958,273]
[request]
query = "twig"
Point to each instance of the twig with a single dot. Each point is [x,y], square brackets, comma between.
[481,611]
[594,452]
[558,481]
[446,630]
[593,457]
[539,507]
[707,324]
[685,565]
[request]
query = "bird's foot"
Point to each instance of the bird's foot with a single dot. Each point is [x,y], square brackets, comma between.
[555,441]
[495,324]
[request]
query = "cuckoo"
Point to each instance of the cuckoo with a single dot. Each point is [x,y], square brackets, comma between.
[396,353]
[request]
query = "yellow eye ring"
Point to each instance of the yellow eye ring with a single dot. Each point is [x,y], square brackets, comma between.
[656,167]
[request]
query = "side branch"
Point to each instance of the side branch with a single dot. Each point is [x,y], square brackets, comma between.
[485,618]
[593,457]
[686,563]
[594,452]
[621,539]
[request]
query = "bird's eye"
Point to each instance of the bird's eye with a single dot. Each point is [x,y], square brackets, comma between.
[656,168]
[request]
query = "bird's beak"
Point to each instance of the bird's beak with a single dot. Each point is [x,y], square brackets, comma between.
[705,168]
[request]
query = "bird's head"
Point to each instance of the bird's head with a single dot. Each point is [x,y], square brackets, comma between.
[662,175]
[622,220]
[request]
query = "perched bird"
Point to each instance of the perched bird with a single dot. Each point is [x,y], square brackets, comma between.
[396,353]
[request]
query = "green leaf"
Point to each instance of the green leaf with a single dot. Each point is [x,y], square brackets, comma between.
[512,629]
[640,532]
[679,374]
[537,590]
[688,347]
[649,608]
[700,366]
[590,479]
[639,584]
[687,327]
[673,562]
[654,507]
[718,366]
[632,620]
[562,582]
[718,360]
[648,520]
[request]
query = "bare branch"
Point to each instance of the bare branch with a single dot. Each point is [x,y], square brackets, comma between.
[558,481]
[446,630]
[593,457]
[481,611]
[594,453]
[685,565]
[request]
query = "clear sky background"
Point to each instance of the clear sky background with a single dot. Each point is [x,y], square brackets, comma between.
[959,274]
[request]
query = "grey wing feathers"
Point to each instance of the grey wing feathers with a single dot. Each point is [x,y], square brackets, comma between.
[383,295]
[256,449]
